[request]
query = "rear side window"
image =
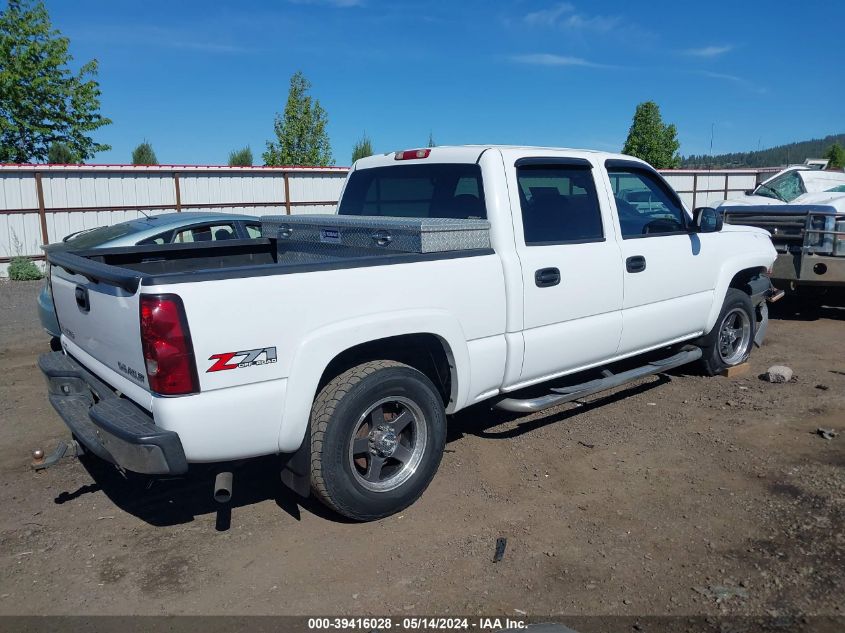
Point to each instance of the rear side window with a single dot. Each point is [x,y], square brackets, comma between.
[434,190]
[559,204]
[216,233]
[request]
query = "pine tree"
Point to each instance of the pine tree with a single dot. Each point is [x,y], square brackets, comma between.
[41,101]
[301,137]
[835,156]
[651,140]
[363,148]
[144,155]
[241,157]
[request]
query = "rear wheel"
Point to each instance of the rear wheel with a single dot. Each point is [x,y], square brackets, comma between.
[729,343]
[378,432]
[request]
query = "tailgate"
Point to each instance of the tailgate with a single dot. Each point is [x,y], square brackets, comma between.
[100,325]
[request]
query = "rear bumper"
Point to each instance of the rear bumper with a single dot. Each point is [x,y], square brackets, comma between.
[109,426]
[810,269]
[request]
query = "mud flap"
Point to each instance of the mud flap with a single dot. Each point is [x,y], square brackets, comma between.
[762,311]
[296,473]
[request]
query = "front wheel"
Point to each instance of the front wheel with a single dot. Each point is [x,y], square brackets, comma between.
[378,433]
[729,343]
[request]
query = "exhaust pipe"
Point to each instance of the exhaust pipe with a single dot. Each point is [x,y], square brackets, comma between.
[223,487]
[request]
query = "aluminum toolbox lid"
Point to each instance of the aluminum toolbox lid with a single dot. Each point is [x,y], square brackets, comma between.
[414,225]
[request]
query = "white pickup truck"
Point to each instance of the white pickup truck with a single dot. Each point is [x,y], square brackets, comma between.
[345,357]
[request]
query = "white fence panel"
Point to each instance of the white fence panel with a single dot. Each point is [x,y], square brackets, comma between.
[87,196]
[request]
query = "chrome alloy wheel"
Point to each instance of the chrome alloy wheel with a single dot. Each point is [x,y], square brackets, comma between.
[388,444]
[734,336]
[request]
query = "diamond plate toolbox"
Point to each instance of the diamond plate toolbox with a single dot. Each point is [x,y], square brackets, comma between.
[407,235]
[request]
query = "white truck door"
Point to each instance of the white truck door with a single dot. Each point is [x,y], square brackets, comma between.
[669,270]
[571,266]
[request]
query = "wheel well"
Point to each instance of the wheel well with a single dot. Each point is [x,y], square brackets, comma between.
[741,279]
[427,353]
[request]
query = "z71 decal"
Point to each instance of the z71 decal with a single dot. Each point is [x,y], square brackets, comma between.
[239,360]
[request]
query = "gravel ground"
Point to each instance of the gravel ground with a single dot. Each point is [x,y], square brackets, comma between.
[679,495]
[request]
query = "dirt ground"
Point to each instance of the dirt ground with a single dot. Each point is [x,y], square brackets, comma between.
[681,495]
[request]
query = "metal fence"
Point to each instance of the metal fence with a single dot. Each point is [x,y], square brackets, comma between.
[40,204]
[703,187]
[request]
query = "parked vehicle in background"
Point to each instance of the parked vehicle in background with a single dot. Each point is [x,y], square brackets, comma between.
[167,228]
[804,211]
[450,276]
[794,185]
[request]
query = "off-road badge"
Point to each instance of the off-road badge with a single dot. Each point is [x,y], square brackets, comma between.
[239,360]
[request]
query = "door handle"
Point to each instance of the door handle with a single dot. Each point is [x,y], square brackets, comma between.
[82,301]
[635,264]
[546,277]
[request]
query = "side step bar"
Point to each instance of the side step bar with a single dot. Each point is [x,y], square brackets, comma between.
[688,354]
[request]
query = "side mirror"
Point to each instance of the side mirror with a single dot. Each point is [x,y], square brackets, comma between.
[707,220]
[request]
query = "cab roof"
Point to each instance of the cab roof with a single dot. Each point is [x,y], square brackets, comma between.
[472,153]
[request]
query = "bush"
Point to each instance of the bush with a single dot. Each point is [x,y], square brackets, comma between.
[23,269]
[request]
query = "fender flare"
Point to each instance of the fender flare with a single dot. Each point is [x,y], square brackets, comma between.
[318,348]
[729,269]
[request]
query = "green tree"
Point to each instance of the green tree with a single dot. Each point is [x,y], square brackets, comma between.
[61,154]
[301,137]
[144,155]
[241,157]
[835,154]
[41,100]
[651,140]
[363,148]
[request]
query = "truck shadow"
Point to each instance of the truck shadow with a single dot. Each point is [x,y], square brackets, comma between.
[808,309]
[484,422]
[168,502]
[176,501]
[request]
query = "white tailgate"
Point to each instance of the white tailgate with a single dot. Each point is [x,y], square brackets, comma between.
[108,332]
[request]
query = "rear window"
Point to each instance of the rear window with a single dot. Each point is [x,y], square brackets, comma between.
[435,190]
[97,237]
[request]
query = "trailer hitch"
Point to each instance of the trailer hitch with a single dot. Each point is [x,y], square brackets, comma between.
[40,461]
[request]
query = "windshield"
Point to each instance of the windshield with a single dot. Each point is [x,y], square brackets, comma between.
[785,187]
[434,190]
[101,235]
[839,189]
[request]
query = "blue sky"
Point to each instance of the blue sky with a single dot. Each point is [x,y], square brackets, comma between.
[200,78]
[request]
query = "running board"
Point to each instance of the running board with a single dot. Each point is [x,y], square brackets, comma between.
[688,354]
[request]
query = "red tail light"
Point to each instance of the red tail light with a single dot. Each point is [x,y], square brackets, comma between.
[168,353]
[411,154]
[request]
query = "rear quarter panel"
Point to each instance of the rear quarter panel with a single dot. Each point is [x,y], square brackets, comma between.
[306,319]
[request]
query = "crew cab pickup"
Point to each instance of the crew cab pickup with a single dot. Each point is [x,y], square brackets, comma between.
[450,276]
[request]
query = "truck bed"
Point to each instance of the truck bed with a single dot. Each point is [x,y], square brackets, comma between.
[129,267]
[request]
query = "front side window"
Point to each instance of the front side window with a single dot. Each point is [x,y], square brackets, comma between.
[559,204]
[644,204]
[433,190]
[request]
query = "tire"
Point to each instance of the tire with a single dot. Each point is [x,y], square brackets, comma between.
[378,432]
[717,354]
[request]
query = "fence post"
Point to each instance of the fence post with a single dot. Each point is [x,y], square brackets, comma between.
[178,191]
[39,192]
[287,193]
[694,188]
